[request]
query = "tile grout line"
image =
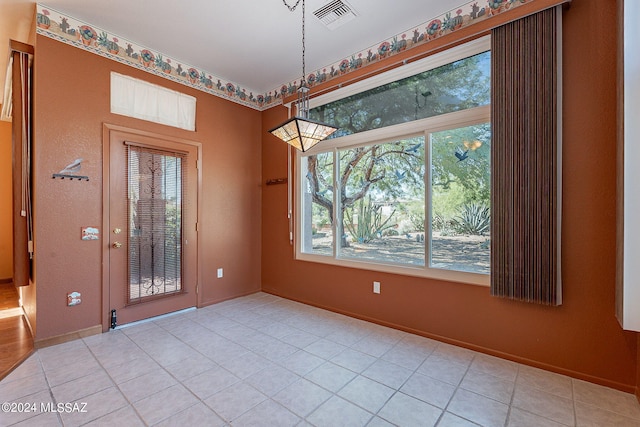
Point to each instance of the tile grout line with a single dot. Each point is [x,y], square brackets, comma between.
[241,380]
[321,323]
[511,399]
[115,384]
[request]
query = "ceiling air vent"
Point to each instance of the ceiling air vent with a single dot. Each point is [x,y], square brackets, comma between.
[335,14]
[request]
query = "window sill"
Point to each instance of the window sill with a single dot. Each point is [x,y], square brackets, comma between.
[404,270]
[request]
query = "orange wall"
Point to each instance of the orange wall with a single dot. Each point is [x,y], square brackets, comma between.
[582,337]
[6,234]
[71,105]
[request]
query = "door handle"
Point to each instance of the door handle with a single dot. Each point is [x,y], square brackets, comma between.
[116,245]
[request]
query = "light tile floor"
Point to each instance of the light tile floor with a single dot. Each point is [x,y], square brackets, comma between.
[261,360]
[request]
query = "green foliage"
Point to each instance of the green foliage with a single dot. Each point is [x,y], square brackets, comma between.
[415,212]
[444,225]
[391,171]
[446,202]
[417,221]
[438,222]
[472,175]
[473,219]
[388,172]
[319,216]
[452,87]
[370,222]
[394,172]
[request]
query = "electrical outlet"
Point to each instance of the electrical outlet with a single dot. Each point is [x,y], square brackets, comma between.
[220,273]
[376,287]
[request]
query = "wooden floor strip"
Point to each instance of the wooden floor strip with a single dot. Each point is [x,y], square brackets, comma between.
[16,342]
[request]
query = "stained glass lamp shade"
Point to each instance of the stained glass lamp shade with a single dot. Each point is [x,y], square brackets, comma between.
[302,133]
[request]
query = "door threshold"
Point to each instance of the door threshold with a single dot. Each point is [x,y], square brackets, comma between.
[151,319]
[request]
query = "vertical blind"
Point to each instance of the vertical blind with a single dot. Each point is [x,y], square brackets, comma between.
[525,210]
[155,209]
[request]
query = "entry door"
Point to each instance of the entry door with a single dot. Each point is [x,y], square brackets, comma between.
[152,220]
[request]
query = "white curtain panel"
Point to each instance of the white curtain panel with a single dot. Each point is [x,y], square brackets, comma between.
[137,98]
[7,103]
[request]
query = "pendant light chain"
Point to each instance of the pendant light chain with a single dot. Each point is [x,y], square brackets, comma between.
[303,90]
[304,76]
[291,8]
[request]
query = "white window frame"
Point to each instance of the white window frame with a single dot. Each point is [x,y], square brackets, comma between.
[424,127]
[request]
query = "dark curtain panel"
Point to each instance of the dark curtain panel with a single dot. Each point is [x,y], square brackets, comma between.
[22,78]
[524,212]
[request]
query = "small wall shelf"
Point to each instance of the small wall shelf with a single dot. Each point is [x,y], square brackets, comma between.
[276,181]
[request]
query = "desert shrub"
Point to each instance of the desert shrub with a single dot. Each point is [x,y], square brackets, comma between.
[417,221]
[474,218]
[371,223]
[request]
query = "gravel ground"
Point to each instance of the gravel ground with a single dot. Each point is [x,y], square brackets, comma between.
[463,253]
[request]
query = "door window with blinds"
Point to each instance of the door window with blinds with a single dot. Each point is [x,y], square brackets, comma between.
[155,195]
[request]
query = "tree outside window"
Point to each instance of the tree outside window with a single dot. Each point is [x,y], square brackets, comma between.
[371,202]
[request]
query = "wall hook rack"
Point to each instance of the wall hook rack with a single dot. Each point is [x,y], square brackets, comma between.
[70,177]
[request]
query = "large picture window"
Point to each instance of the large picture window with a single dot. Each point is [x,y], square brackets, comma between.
[405,186]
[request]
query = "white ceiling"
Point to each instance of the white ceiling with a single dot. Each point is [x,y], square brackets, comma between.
[255,43]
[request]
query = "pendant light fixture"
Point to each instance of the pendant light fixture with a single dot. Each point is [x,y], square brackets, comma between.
[300,131]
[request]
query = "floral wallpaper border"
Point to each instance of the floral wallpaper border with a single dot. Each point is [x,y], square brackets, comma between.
[55,25]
